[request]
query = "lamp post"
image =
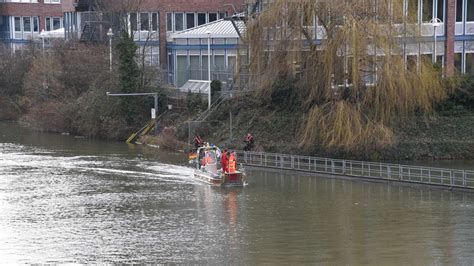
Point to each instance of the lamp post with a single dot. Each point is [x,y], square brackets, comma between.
[209,67]
[110,34]
[435,22]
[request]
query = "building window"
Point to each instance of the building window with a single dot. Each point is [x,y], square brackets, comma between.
[179,21]
[27,24]
[190,23]
[169,21]
[470,63]
[397,11]
[144,22]
[17,23]
[56,23]
[212,17]
[412,11]
[458,62]
[133,22]
[440,10]
[154,21]
[52,1]
[427,10]
[35,24]
[459,9]
[222,15]
[48,24]
[201,18]
[470,10]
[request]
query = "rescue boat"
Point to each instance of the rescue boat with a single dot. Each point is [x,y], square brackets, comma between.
[207,168]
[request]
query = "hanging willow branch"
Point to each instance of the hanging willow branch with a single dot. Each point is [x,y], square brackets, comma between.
[353,78]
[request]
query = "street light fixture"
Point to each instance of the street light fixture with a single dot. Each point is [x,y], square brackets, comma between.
[209,66]
[435,22]
[110,34]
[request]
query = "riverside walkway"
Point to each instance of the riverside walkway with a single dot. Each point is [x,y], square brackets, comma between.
[453,179]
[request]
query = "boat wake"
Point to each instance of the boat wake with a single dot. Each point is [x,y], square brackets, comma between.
[34,161]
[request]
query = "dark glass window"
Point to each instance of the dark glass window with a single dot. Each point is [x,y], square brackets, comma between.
[154,22]
[440,8]
[17,24]
[48,23]
[411,62]
[470,64]
[190,20]
[169,21]
[222,15]
[26,24]
[201,18]
[470,10]
[178,21]
[459,10]
[35,24]
[458,61]
[212,17]
[427,10]
[144,21]
[133,21]
[56,23]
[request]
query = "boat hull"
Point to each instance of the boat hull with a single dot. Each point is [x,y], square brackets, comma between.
[224,180]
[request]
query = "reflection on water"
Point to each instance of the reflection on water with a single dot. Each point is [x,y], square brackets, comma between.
[80,201]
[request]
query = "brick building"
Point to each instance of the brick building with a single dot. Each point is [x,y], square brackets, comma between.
[151,22]
[22,21]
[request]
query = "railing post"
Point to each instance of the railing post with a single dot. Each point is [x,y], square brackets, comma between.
[332,167]
[400,172]
[344,167]
[451,178]
[389,172]
[326,165]
[463,178]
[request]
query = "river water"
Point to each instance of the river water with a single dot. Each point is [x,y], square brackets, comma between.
[70,200]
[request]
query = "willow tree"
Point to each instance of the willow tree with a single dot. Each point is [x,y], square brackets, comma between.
[351,72]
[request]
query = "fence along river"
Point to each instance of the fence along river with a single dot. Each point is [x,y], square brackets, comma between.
[441,177]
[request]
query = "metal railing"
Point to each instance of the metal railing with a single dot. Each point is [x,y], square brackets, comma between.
[452,178]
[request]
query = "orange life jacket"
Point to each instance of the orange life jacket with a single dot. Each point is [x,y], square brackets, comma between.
[232,163]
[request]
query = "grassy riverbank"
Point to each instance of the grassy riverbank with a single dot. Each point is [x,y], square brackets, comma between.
[444,135]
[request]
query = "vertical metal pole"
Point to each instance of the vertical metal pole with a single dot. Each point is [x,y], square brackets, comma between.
[209,67]
[156,110]
[110,54]
[434,50]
